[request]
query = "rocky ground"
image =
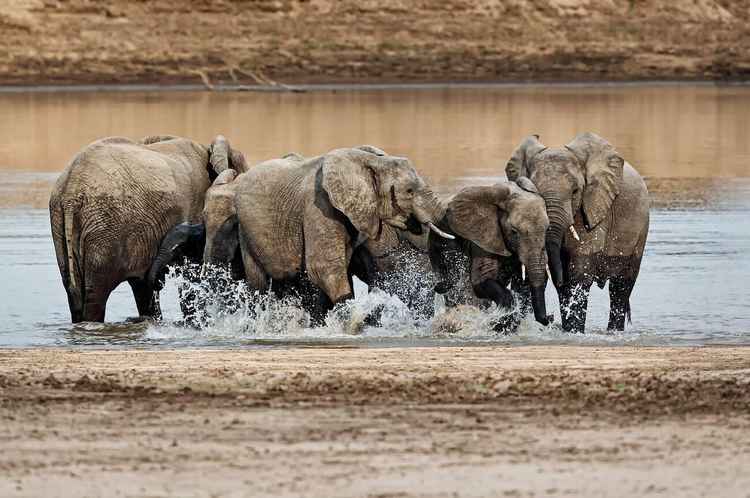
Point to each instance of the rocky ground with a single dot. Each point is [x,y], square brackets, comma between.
[521,421]
[355,41]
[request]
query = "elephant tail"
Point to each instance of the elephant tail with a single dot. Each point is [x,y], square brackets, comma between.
[70,262]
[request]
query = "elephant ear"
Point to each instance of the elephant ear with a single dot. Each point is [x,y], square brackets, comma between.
[474,214]
[527,185]
[222,156]
[603,168]
[352,188]
[237,161]
[518,163]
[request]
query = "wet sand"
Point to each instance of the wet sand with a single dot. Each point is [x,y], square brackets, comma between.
[475,421]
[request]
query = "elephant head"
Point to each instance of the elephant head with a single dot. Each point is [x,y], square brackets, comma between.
[220,220]
[505,219]
[584,176]
[371,188]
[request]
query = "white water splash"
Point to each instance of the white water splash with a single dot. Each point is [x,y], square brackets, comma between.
[227,312]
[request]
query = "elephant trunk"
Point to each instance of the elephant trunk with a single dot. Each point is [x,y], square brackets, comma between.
[221,245]
[429,210]
[537,275]
[560,219]
[539,305]
[182,241]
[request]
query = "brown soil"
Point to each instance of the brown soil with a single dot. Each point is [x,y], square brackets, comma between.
[531,421]
[351,41]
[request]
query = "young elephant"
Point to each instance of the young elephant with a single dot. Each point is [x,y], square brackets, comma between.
[502,230]
[114,203]
[598,209]
[302,217]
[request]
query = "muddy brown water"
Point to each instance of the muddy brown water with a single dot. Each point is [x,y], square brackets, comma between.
[691,142]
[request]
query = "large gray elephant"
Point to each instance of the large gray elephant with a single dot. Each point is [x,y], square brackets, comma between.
[395,262]
[501,229]
[303,218]
[598,210]
[112,206]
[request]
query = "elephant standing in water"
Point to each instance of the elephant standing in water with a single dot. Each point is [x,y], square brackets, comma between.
[502,229]
[112,206]
[598,211]
[300,220]
[396,262]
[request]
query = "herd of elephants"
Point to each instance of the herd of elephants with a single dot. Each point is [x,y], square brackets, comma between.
[126,210]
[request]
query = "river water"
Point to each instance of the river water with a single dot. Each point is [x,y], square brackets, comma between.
[691,142]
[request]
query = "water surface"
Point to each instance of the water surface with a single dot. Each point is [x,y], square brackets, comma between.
[691,142]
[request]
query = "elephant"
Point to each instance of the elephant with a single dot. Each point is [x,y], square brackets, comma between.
[598,210]
[382,263]
[299,220]
[112,206]
[501,229]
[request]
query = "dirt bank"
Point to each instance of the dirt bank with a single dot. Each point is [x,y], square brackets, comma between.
[533,421]
[313,41]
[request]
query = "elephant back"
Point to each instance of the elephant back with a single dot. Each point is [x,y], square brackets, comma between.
[127,195]
[270,207]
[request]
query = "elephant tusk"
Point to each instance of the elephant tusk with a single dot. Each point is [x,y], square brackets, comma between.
[549,275]
[575,234]
[440,232]
[523,273]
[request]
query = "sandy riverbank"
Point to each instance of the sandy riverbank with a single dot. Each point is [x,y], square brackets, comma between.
[524,421]
[354,41]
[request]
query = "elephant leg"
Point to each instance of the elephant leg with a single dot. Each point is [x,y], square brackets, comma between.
[620,287]
[327,256]
[574,302]
[320,308]
[97,289]
[491,289]
[485,269]
[146,298]
[619,301]
[255,276]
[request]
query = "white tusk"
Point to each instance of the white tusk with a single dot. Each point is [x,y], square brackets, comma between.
[549,275]
[575,234]
[440,232]
[523,272]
